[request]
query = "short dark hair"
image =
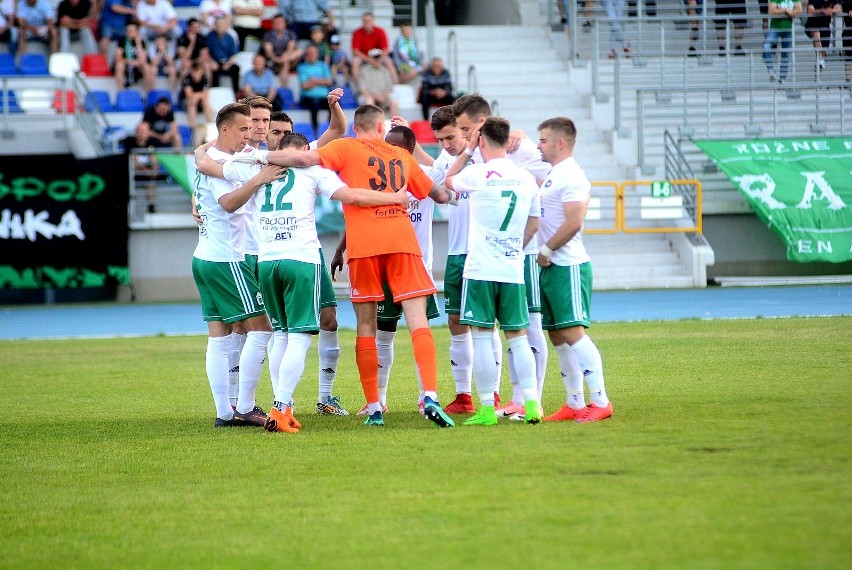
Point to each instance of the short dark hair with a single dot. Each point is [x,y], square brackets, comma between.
[367,117]
[256,102]
[226,114]
[442,117]
[496,130]
[292,139]
[563,126]
[191,21]
[473,105]
[403,137]
[280,117]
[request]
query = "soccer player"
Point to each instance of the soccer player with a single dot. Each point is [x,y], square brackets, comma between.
[290,265]
[470,112]
[504,210]
[227,285]
[566,274]
[382,247]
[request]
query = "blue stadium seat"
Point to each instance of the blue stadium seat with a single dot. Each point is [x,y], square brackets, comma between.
[156,94]
[33,64]
[322,128]
[7,64]
[129,101]
[349,99]
[186,3]
[288,101]
[306,129]
[185,134]
[99,99]
[9,98]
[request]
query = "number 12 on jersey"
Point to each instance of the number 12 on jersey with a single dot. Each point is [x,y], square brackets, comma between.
[285,186]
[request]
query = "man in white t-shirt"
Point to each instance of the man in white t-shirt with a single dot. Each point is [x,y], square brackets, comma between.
[157,18]
[566,274]
[228,288]
[504,210]
[470,112]
[289,261]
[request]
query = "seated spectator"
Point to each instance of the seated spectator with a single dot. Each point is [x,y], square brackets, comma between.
[72,18]
[406,55]
[35,24]
[195,94]
[223,54]
[192,48]
[729,9]
[436,87]
[161,58]
[315,81]
[210,10]
[341,67]
[376,83]
[8,31]
[259,80]
[365,39]
[280,46]
[318,41]
[157,18]
[131,60]
[158,127]
[304,15]
[246,20]
[114,17]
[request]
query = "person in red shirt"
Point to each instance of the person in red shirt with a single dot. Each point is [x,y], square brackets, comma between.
[382,247]
[369,37]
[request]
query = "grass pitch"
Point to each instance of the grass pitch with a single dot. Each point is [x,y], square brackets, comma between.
[729,448]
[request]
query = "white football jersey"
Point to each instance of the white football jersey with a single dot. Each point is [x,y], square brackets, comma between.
[502,197]
[566,183]
[458,217]
[285,211]
[420,212]
[221,236]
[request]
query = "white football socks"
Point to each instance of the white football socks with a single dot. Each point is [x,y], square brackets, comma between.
[535,336]
[524,364]
[235,347]
[279,347]
[497,348]
[251,363]
[461,361]
[328,348]
[217,374]
[484,367]
[292,366]
[384,348]
[592,367]
[572,376]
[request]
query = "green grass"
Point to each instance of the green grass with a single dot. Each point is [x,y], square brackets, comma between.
[729,448]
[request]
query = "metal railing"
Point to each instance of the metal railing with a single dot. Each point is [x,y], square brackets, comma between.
[631,206]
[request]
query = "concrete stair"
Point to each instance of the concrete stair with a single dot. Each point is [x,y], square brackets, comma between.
[636,261]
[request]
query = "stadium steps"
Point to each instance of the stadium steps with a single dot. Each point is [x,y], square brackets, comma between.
[636,261]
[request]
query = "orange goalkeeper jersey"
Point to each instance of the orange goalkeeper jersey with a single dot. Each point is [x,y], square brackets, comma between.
[376,165]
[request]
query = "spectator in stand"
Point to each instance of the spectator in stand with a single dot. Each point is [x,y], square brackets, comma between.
[366,38]
[192,48]
[781,16]
[818,26]
[157,18]
[210,10]
[436,87]
[259,80]
[195,94]
[223,54]
[341,67]
[247,19]
[158,127]
[303,15]
[161,58]
[35,24]
[846,10]
[376,84]
[729,8]
[406,55]
[6,27]
[114,17]
[315,81]
[131,60]
[72,18]
[617,39]
[318,41]
[280,46]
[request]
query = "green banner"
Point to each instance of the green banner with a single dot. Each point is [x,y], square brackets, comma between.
[801,188]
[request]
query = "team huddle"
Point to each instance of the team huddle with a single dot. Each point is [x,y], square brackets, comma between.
[515,259]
